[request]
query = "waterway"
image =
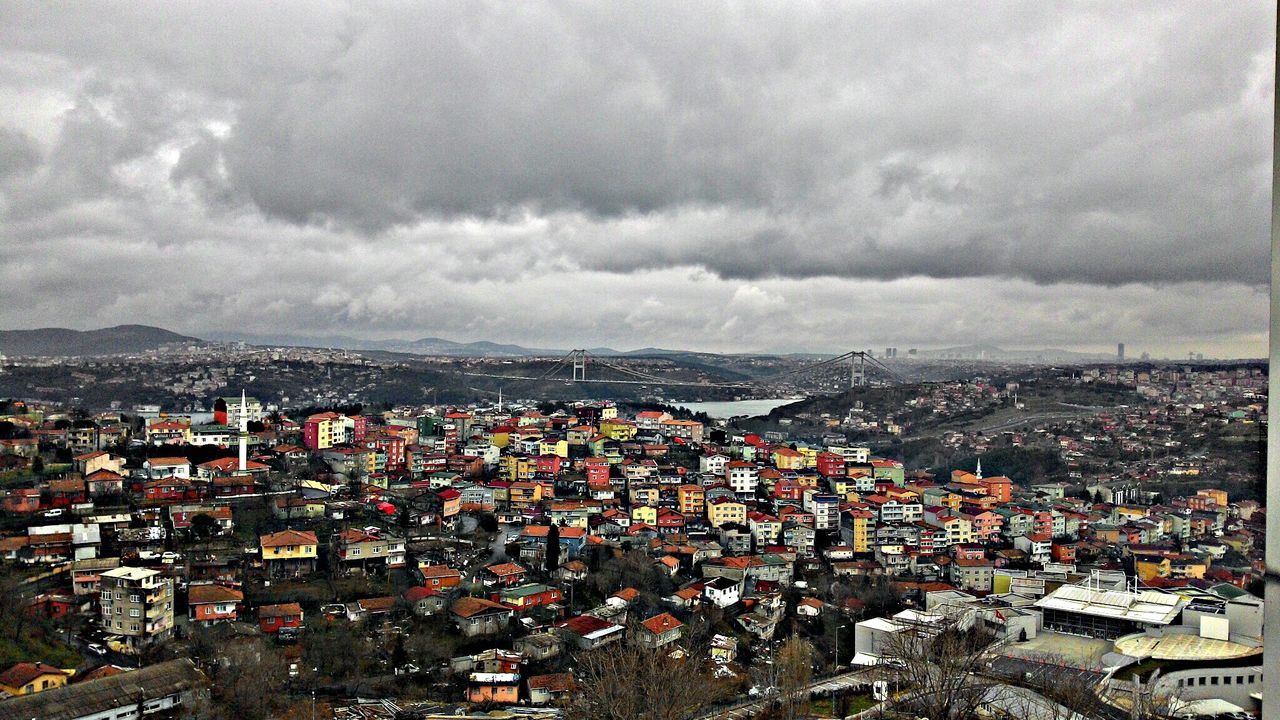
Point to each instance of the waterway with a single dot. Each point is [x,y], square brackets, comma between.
[734,408]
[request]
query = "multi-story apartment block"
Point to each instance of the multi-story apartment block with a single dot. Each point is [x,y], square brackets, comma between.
[743,477]
[136,606]
[825,508]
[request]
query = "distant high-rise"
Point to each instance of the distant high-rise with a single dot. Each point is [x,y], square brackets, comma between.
[1120,352]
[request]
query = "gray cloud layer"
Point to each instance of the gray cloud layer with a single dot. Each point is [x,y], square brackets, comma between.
[1102,148]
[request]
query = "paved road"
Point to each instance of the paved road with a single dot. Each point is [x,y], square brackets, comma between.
[1079,412]
[750,708]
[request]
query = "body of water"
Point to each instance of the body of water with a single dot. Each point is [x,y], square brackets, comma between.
[733,408]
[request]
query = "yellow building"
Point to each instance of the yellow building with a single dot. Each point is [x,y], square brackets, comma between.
[726,511]
[524,494]
[554,446]
[950,500]
[862,522]
[620,430]
[517,468]
[289,545]
[1124,514]
[846,488]
[959,530]
[330,430]
[1219,496]
[787,459]
[28,678]
[645,514]
[692,499]
[1152,566]
[808,457]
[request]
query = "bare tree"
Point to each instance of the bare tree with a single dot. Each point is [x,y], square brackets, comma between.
[942,668]
[795,672]
[632,683]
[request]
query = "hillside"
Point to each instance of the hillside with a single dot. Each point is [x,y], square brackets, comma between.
[104,341]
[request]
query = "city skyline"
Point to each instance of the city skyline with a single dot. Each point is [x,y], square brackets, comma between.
[725,179]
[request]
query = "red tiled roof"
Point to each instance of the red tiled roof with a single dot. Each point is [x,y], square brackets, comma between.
[205,594]
[469,607]
[23,673]
[271,611]
[289,537]
[659,624]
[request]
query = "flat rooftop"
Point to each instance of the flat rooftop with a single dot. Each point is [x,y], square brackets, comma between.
[1182,646]
[1145,606]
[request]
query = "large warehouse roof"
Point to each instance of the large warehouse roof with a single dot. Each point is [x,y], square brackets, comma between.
[1145,606]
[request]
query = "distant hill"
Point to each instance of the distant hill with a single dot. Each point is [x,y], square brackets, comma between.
[105,341]
[995,354]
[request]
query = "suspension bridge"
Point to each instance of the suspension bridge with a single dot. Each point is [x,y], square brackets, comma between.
[572,368]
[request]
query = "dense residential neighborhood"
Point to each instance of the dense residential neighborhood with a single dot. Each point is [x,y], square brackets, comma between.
[468,557]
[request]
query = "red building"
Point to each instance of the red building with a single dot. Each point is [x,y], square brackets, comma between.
[170,489]
[68,491]
[597,470]
[22,500]
[233,486]
[393,448]
[548,464]
[670,521]
[215,603]
[273,618]
[831,465]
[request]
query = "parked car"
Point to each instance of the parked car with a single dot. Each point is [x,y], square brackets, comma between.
[96,649]
[56,512]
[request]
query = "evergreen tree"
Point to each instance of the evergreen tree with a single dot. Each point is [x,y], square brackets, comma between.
[552,555]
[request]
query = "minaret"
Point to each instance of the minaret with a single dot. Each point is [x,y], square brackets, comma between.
[978,474]
[244,432]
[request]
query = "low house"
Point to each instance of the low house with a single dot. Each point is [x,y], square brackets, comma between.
[161,688]
[547,689]
[722,591]
[809,607]
[424,601]
[538,646]
[369,607]
[274,618]
[525,597]
[477,616]
[724,649]
[27,678]
[507,574]
[440,577]
[210,603]
[587,632]
[289,552]
[491,687]
[104,482]
[658,631]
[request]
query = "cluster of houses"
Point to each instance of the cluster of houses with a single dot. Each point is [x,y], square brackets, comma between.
[732,520]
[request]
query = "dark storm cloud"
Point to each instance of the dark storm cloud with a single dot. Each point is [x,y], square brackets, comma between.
[1099,144]
[338,154]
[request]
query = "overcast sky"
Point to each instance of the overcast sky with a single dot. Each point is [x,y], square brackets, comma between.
[716,176]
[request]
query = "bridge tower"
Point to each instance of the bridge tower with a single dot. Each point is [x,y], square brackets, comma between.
[579,364]
[857,369]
